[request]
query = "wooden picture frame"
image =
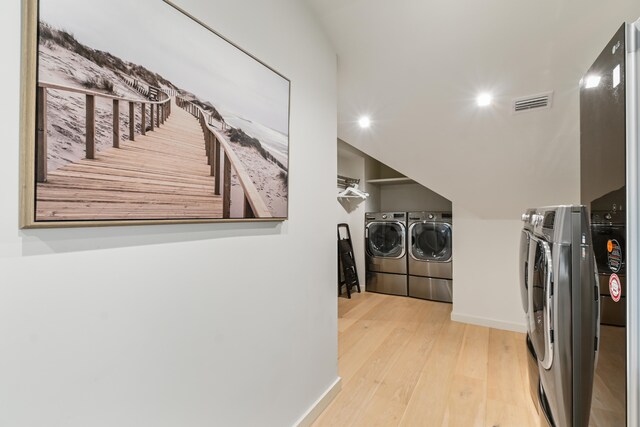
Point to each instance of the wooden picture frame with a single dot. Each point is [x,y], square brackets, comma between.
[173,157]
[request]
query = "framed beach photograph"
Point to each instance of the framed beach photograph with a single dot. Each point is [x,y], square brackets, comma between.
[135,112]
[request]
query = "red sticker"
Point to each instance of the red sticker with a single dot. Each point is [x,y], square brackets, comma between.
[615,289]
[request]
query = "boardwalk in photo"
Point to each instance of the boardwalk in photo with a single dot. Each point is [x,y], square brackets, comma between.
[161,175]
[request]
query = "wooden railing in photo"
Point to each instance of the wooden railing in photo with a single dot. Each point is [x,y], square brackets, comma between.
[170,92]
[147,91]
[195,110]
[219,152]
[143,89]
[135,84]
[159,111]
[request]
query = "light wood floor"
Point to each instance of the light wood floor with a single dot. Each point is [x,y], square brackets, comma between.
[161,175]
[404,362]
[609,387]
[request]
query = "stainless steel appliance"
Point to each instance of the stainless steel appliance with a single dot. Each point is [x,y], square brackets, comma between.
[574,301]
[560,297]
[386,250]
[603,178]
[608,232]
[430,252]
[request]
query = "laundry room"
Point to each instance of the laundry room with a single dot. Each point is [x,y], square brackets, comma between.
[401,231]
[565,353]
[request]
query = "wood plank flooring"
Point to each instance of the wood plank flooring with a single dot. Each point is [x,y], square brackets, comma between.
[608,402]
[403,362]
[161,175]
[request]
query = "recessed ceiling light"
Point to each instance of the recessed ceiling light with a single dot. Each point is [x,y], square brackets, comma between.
[364,122]
[484,99]
[592,81]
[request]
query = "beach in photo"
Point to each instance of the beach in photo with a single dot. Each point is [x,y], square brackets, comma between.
[132,125]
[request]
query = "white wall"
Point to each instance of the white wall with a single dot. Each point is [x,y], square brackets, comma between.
[220,324]
[351,211]
[411,197]
[371,170]
[485,271]
[355,164]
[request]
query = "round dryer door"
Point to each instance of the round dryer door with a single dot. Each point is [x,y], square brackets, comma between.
[386,239]
[431,241]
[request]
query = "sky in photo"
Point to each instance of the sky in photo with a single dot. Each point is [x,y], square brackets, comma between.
[155,35]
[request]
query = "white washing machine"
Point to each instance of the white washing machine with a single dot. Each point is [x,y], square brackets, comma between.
[430,251]
[386,250]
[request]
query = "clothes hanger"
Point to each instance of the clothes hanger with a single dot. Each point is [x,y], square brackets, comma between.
[353,190]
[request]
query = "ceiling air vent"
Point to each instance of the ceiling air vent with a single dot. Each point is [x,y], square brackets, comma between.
[533,102]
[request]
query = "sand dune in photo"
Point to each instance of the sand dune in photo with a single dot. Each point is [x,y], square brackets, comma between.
[63,60]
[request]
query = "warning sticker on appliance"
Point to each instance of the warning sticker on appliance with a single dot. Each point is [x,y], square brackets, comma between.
[615,288]
[614,251]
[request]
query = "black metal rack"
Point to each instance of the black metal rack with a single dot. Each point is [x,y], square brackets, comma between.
[347,271]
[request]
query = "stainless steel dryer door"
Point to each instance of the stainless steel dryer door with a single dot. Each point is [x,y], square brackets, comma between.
[430,241]
[430,249]
[386,239]
[540,312]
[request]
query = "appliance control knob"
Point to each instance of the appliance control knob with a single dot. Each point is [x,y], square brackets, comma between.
[525,217]
[607,216]
[384,216]
[430,216]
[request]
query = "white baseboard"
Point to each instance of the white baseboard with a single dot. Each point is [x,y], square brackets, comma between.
[491,323]
[320,405]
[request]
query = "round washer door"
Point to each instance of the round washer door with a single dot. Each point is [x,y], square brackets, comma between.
[524,270]
[431,241]
[541,300]
[386,239]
